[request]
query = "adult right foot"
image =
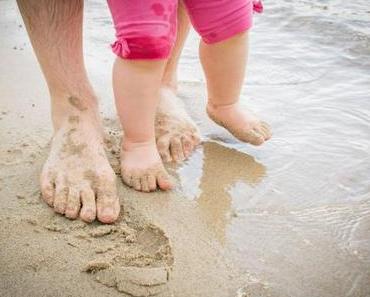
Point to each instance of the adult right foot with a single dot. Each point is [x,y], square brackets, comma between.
[77,179]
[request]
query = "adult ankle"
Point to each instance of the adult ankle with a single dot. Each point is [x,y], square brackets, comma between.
[64,105]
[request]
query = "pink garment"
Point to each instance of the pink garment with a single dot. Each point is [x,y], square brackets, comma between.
[146,29]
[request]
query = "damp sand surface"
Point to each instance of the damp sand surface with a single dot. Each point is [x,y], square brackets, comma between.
[291,218]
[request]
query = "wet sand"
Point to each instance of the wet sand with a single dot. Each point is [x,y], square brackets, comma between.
[289,219]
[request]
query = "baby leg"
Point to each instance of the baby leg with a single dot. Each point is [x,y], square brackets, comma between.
[145,35]
[224,26]
[177,134]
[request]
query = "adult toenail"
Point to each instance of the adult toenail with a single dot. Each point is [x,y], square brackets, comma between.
[107,212]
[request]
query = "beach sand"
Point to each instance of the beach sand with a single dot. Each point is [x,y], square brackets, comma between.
[283,220]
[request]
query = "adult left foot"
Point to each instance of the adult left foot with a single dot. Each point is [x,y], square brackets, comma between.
[77,179]
[176,133]
[241,123]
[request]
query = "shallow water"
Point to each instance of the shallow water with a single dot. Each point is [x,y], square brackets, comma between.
[293,215]
[296,212]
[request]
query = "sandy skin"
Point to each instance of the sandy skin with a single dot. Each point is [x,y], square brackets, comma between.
[240,122]
[77,179]
[153,114]
[141,166]
[176,135]
[145,177]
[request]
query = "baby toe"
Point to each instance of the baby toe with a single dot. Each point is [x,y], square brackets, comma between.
[144,183]
[255,137]
[152,182]
[164,181]
[187,146]
[266,130]
[136,183]
[176,150]
[163,145]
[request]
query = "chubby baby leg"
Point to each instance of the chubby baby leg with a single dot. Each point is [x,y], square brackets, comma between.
[145,32]
[136,87]
[224,27]
[224,82]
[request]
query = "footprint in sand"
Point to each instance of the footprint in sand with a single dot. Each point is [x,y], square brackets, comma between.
[135,258]
[141,268]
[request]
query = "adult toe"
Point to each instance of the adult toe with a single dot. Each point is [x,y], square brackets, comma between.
[107,208]
[60,198]
[88,209]
[47,189]
[107,204]
[73,203]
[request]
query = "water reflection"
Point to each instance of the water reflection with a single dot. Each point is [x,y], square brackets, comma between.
[222,170]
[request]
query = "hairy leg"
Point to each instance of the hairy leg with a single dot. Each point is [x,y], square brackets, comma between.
[76,179]
[224,64]
[176,133]
[136,85]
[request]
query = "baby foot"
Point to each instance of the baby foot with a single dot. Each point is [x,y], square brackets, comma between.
[240,122]
[176,133]
[142,168]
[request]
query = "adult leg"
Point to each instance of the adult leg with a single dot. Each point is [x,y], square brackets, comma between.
[176,133]
[76,179]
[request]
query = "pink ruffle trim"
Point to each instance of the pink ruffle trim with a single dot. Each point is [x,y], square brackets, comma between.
[120,48]
[257,6]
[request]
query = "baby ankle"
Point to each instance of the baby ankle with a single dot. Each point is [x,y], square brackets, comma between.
[131,144]
[219,106]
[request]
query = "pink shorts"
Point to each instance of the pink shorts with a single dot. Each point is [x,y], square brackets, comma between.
[146,29]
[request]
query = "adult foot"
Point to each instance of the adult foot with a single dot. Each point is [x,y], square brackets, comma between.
[77,180]
[240,122]
[176,133]
[142,168]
